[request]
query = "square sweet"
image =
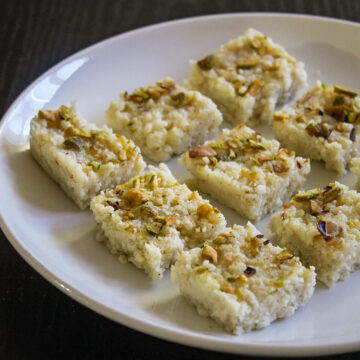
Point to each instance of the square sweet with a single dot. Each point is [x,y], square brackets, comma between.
[80,157]
[322,227]
[246,172]
[355,168]
[164,119]
[248,78]
[243,282]
[324,125]
[152,218]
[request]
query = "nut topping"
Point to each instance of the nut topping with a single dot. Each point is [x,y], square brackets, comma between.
[201,151]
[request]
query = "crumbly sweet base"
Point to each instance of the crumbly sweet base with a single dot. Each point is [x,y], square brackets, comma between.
[152,218]
[164,119]
[81,158]
[322,228]
[242,281]
[248,78]
[324,124]
[246,172]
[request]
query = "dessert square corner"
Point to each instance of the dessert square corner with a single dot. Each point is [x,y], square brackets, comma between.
[152,218]
[247,172]
[164,119]
[243,282]
[80,157]
[324,124]
[321,226]
[248,78]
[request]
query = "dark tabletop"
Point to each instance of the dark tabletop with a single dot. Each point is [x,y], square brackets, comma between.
[37,320]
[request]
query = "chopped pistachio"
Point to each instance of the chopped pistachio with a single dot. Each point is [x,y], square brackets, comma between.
[279,169]
[181,99]
[329,230]
[248,63]
[337,112]
[65,112]
[256,42]
[213,161]
[330,193]
[95,165]
[154,228]
[152,179]
[209,253]
[50,115]
[318,130]
[221,239]
[73,143]
[283,256]
[254,145]
[232,154]
[343,90]
[353,117]
[201,151]
[254,87]
[206,63]
[200,269]
[323,85]
[300,119]
[315,208]
[311,194]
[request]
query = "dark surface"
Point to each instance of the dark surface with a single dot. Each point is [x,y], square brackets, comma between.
[37,320]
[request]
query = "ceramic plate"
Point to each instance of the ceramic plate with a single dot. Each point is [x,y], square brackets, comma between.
[57,239]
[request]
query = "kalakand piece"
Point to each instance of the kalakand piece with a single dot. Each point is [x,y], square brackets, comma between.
[242,281]
[80,157]
[164,119]
[322,227]
[246,172]
[248,78]
[324,124]
[152,218]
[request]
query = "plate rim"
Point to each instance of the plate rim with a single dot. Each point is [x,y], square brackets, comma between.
[161,331]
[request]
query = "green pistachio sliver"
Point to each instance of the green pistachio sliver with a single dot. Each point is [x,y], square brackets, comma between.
[331,195]
[323,85]
[207,62]
[73,143]
[279,283]
[130,123]
[65,112]
[353,117]
[200,269]
[181,99]
[154,228]
[255,145]
[152,179]
[315,208]
[95,165]
[346,91]
[232,154]
[311,194]
[256,42]
[248,63]
[300,119]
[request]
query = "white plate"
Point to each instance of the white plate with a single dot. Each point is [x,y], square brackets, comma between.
[57,239]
